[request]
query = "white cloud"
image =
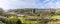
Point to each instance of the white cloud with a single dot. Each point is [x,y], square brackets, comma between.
[51,4]
[7,4]
[57,4]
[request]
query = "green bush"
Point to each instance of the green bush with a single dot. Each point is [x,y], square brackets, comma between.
[12,20]
[1,22]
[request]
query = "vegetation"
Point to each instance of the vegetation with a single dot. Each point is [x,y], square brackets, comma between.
[28,16]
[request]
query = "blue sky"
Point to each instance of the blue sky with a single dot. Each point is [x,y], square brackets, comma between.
[12,4]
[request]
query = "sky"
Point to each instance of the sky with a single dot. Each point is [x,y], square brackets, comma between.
[13,4]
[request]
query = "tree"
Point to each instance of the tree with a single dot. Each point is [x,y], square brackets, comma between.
[1,11]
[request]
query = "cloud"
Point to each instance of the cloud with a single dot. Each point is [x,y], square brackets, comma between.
[10,4]
[51,4]
[57,4]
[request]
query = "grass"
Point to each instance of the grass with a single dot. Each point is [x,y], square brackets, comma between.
[55,17]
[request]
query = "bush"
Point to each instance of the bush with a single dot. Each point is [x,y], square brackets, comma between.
[12,20]
[1,22]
